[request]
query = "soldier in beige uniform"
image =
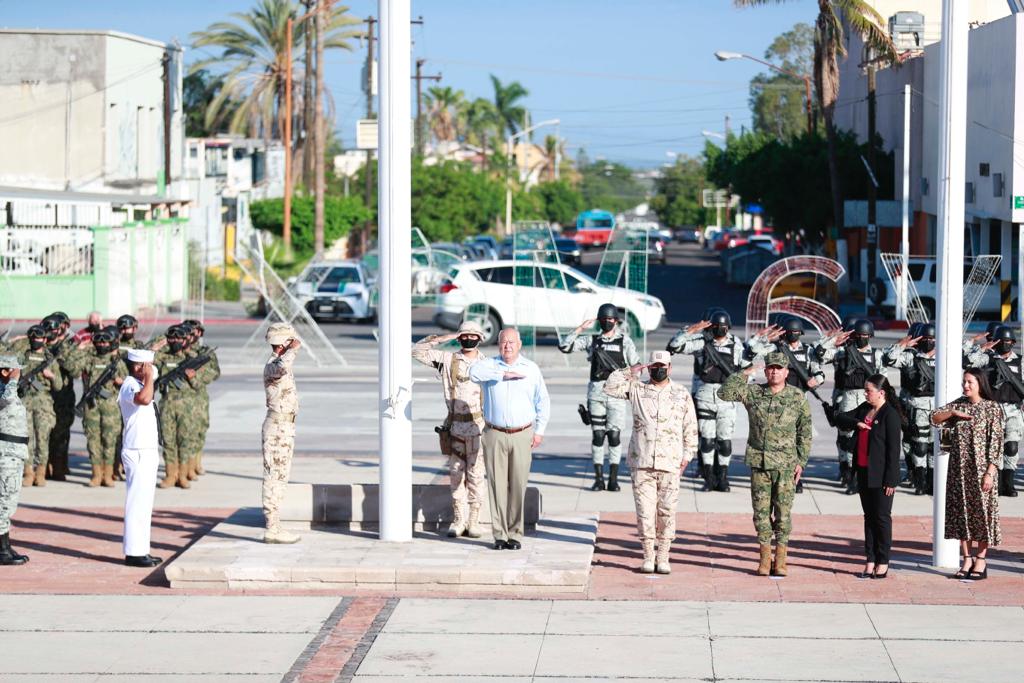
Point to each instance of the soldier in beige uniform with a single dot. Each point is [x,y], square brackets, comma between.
[466,420]
[665,439]
[279,427]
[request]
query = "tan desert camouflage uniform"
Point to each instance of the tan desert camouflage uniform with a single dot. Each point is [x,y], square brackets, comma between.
[278,432]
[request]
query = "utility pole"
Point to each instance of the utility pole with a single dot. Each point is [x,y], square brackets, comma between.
[872,189]
[419,78]
[902,301]
[364,237]
[307,106]
[286,231]
[323,9]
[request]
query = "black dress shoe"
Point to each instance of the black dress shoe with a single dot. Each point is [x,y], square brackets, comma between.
[501,545]
[513,544]
[146,561]
[158,560]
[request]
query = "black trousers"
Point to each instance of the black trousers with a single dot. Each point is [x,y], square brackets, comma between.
[877,519]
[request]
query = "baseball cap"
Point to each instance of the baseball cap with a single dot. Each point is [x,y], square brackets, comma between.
[776,358]
[663,357]
[280,333]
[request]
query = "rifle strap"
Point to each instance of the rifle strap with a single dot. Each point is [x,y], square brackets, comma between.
[10,438]
[716,358]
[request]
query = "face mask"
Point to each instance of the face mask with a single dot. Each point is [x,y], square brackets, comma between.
[863,342]
[175,345]
[607,325]
[1004,346]
[127,336]
[35,344]
[926,345]
[719,331]
[470,343]
[658,374]
[102,349]
[793,336]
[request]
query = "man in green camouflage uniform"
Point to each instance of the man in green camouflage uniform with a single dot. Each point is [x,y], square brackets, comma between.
[101,419]
[176,410]
[208,374]
[38,401]
[665,438]
[778,445]
[64,348]
[13,452]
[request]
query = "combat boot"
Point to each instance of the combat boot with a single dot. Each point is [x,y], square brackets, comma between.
[108,475]
[473,529]
[458,525]
[278,535]
[661,565]
[1006,487]
[648,565]
[779,568]
[598,484]
[191,470]
[709,478]
[851,482]
[918,479]
[929,481]
[170,475]
[722,477]
[40,478]
[183,476]
[97,475]
[843,469]
[28,476]
[8,556]
[764,568]
[613,477]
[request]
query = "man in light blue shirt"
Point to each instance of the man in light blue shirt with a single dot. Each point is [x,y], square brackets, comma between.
[516,409]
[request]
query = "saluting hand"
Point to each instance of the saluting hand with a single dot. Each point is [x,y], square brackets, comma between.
[698,327]
[586,324]
[509,375]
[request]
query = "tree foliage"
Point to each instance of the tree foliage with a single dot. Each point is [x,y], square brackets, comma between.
[557,202]
[777,100]
[451,201]
[340,214]
[677,193]
[609,185]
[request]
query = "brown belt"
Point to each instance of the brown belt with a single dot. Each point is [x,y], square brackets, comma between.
[281,417]
[509,430]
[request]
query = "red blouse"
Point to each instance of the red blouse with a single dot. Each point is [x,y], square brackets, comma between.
[862,443]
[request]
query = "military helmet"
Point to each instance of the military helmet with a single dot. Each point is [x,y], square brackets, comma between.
[104,336]
[710,311]
[61,317]
[176,332]
[127,321]
[864,327]
[37,331]
[793,325]
[849,322]
[51,326]
[1004,333]
[926,330]
[608,311]
[195,325]
[915,330]
[721,317]
[991,328]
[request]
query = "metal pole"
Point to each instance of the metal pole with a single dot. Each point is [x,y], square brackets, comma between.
[508,192]
[901,298]
[323,7]
[394,198]
[872,192]
[286,231]
[950,226]
[364,238]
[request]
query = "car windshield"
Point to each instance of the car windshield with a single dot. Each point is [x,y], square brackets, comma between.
[563,243]
[338,278]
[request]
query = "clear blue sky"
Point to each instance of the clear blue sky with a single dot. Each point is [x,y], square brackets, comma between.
[630,81]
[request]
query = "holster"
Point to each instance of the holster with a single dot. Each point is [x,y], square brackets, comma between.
[444,435]
[584,414]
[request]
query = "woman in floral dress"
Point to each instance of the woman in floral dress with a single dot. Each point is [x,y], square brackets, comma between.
[976,453]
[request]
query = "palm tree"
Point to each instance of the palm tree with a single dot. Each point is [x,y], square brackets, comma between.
[443,105]
[479,122]
[506,98]
[554,152]
[829,46]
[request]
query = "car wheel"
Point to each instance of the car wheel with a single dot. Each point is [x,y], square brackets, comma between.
[633,325]
[876,291]
[491,327]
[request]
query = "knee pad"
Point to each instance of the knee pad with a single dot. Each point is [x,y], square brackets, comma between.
[614,437]
[598,437]
[846,443]
[723,447]
[921,449]
[1010,448]
[707,445]
[706,414]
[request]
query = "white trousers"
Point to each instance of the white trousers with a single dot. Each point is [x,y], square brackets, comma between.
[140,467]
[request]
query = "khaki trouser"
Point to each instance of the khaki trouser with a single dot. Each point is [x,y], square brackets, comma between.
[656,495]
[507,458]
[278,446]
[466,469]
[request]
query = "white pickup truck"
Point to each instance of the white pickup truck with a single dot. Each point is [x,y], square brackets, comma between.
[923,271]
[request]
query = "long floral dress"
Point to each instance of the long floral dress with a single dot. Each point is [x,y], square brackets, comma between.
[971,514]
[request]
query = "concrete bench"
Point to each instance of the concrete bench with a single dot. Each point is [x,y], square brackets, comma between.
[356,506]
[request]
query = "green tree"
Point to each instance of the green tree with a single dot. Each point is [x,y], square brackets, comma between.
[678,192]
[559,202]
[610,186]
[340,214]
[511,113]
[443,104]
[777,100]
[829,46]
[450,201]
[479,124]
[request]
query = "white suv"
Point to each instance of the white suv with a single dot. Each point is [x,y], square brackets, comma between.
[549,297]
[923,272]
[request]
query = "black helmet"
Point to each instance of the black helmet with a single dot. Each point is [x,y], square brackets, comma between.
[864,328]
[793,325]
[720,317]
[127,321]
[36,331]
[51,325]
[992,327]
[849,322]
[196,325]
[61,317]
[176,332]
[1004,333]
[104,336]
[608,311]
[915,330]
[710,311]
[927,330]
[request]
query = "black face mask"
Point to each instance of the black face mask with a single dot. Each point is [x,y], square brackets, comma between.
[102,349]
[658,374]
[926,345]
[1004,346]
[469,343]
[607,325]
[862,342]
[175,345]
[127,336]
[36,344]
[719,331]
[793,336]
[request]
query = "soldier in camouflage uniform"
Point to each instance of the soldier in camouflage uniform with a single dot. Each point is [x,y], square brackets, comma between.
[914,357]
[13,452]
[64,348]
[127,326]
[608,351]
[208,374]
[467,475]
[664,440]
[38,402]
[101,419]
[279,427]
[778,445]
[717,354]
[176,410]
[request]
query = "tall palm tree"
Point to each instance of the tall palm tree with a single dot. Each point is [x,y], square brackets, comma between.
[829,46]
[506,102]
[479,122]
[554,152]
[443,105]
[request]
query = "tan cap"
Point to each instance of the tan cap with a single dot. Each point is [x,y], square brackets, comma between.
[280,333]
[470,327]
[663,357]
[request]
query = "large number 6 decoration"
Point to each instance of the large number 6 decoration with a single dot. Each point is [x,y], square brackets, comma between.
[760,304]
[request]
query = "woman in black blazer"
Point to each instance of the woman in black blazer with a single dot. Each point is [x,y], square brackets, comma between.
[876,461]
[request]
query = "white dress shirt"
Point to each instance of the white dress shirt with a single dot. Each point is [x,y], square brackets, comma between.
[512,403]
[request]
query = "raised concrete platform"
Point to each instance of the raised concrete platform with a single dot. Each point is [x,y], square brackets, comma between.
[555,559]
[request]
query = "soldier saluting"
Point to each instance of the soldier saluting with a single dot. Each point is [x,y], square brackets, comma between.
[42,376]
[1006,376]
[13,452]
[914,356]
[607,351]
[718,354]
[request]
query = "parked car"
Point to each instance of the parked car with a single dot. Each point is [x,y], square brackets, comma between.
[461,250]
[546,296]
[768,243]
[337,290]
[487,240]
[569,252]
[724,240]
[923,272]
[687,234]
[656,249]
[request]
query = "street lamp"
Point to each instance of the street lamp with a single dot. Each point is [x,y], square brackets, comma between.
[508,170]
[724,56]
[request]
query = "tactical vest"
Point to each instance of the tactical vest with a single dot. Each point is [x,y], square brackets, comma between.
[850,374]
[707,370]
[800,355]
[920,379]
[606,356]
[1002,388]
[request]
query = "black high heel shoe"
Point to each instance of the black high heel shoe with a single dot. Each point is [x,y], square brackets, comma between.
[978,576]
[962,573]
[884,574]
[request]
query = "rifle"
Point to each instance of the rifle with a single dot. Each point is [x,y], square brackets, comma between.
[96,389]
[1006,375]
[796,366]
[29,379]
[177,376]
[716,358]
